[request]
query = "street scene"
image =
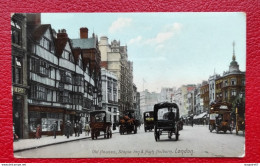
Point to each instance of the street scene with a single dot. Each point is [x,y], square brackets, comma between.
[194,141]
[94,85]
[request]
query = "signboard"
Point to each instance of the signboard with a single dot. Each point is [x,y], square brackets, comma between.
[223,107]
[19,90]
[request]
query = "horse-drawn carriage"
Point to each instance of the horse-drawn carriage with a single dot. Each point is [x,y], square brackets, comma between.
[220,117]
[128,123]
[148,121]
[166,120]
[100,123]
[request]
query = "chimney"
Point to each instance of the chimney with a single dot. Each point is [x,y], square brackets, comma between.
[83,33]
[33,19]
[62,34]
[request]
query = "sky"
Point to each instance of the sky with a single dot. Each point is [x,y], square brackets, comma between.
[167,49]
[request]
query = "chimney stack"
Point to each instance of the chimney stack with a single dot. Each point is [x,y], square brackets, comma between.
[62,34]
[33,19]
[83,33]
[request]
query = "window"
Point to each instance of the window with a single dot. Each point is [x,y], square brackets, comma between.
[64,97]
[39,92]
[233,81]
[233,92]
[16,33]
[66,77]
[44,68]
[77,100]
[226,83]
[78,80]
[243,82]
[17,70]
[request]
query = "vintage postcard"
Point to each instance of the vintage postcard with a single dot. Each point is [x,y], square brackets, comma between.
[112,85]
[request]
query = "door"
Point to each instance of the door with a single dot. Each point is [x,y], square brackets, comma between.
[18,115]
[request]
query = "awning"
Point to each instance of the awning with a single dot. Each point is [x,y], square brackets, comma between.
[200,115]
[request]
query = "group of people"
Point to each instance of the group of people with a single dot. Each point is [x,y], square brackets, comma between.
[66,129]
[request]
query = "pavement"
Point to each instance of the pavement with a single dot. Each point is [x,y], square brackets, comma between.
[33,143]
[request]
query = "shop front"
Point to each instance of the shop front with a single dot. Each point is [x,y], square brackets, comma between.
[19,111]
[45,117]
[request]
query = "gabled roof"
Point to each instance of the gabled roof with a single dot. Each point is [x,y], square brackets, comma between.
[39,31]
[60,44]
[84,43]
[76,52]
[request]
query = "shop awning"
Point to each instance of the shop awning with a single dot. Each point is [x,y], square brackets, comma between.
[200,115]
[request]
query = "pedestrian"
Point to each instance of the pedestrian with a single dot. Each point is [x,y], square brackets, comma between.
[67,129]
[80,127]
[61,127]
[76,129]
[38,132]
[55,128]
[15,136]
[87,129]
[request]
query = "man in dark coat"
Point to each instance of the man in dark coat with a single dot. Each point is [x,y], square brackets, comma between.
[67,129]
[55,128]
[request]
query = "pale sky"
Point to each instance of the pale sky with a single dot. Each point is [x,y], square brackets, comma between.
[167,49]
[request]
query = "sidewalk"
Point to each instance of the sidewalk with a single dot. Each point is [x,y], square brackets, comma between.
[26,144]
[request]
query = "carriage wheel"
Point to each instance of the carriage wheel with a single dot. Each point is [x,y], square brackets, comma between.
[176,133]
[120,130]
[155,134]
[110,132]
[170,135]
[210,128]
[135,129]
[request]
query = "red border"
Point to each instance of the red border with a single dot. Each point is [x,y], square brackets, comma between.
[251,8]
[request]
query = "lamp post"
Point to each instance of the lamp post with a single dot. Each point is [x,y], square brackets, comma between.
[239,111]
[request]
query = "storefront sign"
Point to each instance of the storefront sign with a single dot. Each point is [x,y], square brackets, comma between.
[223,107]
[19,90]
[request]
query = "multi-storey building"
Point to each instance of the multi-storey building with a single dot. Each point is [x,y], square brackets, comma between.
[204,94]
[92,59]
[167,94]
[212,87]
[232,84]
[136,102]
[19,74]
[114,58]
[64,77]
[110,94]
[148,100]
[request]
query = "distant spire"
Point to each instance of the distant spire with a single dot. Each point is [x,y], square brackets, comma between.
[234,56]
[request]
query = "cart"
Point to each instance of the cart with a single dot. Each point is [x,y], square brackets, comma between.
[166,120]
[98,123]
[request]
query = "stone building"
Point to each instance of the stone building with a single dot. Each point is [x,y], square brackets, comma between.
[114,58]
[232,84]
[19,74]
[204,94]
[110,94]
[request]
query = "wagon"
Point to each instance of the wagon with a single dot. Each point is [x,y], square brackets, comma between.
[128,123]
[220,117]
[148,121]
[99,123]
[166,120]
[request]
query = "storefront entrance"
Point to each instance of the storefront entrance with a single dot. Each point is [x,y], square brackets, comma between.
[18,114]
